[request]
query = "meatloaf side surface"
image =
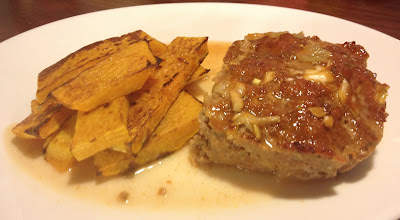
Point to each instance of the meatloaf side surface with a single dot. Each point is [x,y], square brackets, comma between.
[293,105]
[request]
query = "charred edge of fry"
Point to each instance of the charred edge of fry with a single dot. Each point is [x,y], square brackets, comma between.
[200,102]
[204,73]
[149,65]
[57,119]
[194,78]
[202,59]
[44,90]
[58,78]
[159,60]
[43,116]
[203,46]
[157,48]
[133,36]
[34,131]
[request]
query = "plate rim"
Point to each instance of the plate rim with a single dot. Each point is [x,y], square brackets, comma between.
[15,38]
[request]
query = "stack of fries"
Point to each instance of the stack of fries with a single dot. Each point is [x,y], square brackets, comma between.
[119,102]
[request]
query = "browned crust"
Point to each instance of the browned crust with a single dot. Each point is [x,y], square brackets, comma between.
[159,96]
[211,146]
[83,89]
[131,36]
[52,115]
[86,57]
[276,76]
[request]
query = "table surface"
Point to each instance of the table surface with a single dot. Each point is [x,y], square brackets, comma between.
[17,16]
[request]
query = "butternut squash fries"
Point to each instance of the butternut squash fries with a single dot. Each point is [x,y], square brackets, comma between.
[118,102]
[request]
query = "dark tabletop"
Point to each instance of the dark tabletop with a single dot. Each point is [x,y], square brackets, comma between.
[17,16]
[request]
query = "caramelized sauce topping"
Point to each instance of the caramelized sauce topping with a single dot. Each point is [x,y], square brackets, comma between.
[294,77]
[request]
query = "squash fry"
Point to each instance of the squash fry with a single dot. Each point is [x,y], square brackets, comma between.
[44,120]
[200,73]
[109,162]
[118,101]
[35,106]
[119,74]
[101,128]
[177,127]
[58,146]
[86,57]
[148,107]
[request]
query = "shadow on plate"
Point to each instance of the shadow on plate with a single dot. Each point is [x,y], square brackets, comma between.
[82,172]
[288,189]
[31,148]
[85,171]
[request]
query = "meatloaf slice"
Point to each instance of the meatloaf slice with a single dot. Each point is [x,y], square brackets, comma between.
[293,105]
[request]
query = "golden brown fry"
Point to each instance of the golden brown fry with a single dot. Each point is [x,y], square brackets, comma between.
[157,48]
[200,73]
[94,80]
[35,106]
[44,120]
[101,128]
[119,74]
[177,127]
[58,146]
[88,56]
[182,58]
[109,162]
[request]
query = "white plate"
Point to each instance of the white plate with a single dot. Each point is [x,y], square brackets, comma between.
[371,192]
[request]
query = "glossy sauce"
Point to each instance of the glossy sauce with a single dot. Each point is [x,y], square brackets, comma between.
[307,74]
[167,184]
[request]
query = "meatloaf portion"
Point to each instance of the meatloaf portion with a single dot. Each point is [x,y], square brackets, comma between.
[293,105]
